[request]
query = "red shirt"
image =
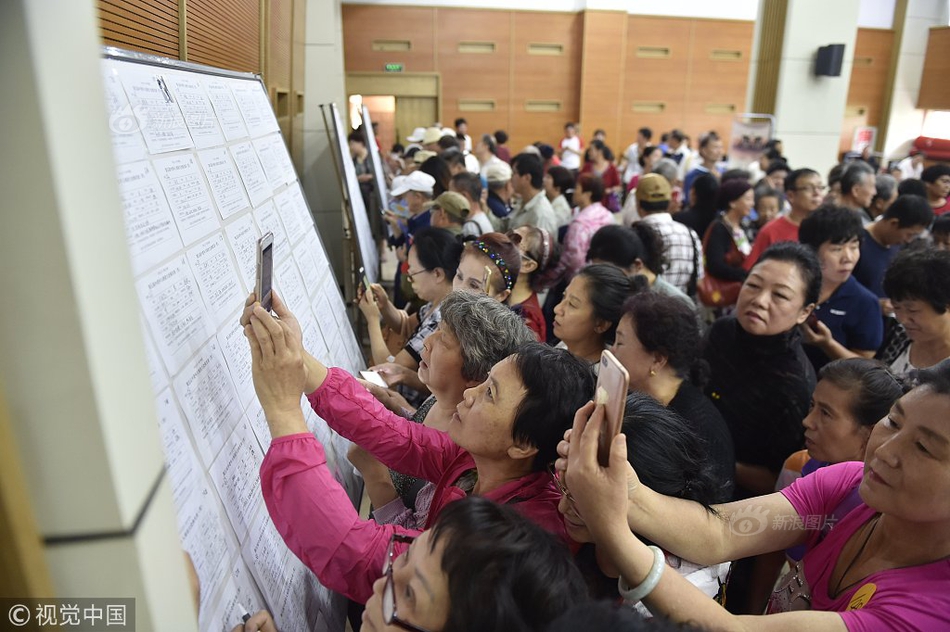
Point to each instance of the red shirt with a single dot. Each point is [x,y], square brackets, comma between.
[940,210]
[530,311]
[779,229]
[610,176]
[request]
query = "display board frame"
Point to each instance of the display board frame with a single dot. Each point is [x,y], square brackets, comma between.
[197,193]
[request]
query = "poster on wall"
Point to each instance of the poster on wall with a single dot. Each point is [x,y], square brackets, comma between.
[862,138]
[750,133]
[203,172]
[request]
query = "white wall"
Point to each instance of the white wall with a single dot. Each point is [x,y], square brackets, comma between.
[876,14]
[809,109]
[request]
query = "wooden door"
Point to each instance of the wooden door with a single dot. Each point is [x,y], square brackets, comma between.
[413,112]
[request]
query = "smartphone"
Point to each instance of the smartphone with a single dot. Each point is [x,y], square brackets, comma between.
[265,271]
[364,281]
[812,322]
[374,377]
[612,383]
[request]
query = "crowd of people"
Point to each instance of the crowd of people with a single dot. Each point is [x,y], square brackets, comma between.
[784,455]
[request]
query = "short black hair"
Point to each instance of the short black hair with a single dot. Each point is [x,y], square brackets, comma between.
[528,164]
[437,248]
[910,210]
[802,257]
[356,136]
[677,135]
[501,136]
[623,245]
[556,384]
[454,157]
[599,130]
[834,224]
[912,186]
[934,172]
[470,183]
[646,151]
[562,178]
[598,616]
[791,180]
[872,386]
[922,275]
[448,142]
[438,168]
[646,132]
[460,121]
[607,290]
[667,325]
[853,174]
[777,165]
[935,378]
[941,225]
[736,174]
[504,571]
[397,148]
[834,174]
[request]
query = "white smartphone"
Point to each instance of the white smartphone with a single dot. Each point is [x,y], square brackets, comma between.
[265,271]
[374,378]
[612,384]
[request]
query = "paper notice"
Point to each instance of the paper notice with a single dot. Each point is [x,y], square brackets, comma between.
[149,226]
[232,124]
[159,117]
[187,196]
[124,126]
[251,172]
[243,235]
[226,185]
[196,108]
[217,278]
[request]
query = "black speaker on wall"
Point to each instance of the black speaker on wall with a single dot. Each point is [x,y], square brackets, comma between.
[828,62]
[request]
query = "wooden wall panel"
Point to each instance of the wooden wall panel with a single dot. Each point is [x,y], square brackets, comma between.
[718,74]
[602,79]
[934,86]
[363,24]
[279,27]
[474,75]
[150,26]
[654,79]
[225,33]
[872,57]
[544,77]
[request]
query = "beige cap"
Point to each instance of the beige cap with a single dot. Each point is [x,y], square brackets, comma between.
[452,203]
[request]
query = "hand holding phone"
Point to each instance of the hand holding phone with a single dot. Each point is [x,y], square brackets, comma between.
[265,271]
[612,384]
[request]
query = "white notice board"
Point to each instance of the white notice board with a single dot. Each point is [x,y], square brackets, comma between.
[203,171]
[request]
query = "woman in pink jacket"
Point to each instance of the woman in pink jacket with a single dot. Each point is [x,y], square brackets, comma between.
[498,445]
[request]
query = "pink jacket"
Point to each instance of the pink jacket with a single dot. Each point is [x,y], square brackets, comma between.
[316,518]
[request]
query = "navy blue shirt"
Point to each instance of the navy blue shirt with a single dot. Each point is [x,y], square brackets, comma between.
[873,262]
[853,315]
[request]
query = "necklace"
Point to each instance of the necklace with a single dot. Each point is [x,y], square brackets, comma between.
[838,589]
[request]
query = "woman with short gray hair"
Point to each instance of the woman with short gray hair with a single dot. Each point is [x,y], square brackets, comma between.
[475,333]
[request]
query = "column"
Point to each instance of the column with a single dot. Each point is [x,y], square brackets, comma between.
[72,360]
[808,109]
[324,82]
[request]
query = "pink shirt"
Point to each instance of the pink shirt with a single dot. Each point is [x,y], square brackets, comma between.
[779,229]
[913,598]
[578,236]
[315,516]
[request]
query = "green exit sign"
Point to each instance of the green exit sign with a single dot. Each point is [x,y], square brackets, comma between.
[395,67]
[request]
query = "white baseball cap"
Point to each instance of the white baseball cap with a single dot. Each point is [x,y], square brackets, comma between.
[415,181]
[417,135]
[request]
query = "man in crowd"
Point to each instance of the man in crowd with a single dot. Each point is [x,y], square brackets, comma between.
[857,187]
[630,163]
[534,209]
[498,177]
[681,246]
[449,211]
[885,192]
[804,193]
[572,149]
[469,185]
[485,153]
[710,153]
[461,132]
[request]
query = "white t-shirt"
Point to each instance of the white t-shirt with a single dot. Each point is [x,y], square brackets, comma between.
[570,160]
[632,156]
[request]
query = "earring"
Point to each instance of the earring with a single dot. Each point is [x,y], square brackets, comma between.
[652,372]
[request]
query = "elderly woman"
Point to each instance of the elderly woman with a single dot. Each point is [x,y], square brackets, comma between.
[475,333]
[499,444]
[760,379]
[592,216]
[876,534]
[918,284]
[659,344]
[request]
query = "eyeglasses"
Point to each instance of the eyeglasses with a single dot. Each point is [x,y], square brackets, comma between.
[389,592]
[560,483]
[412,275]
[811,188]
